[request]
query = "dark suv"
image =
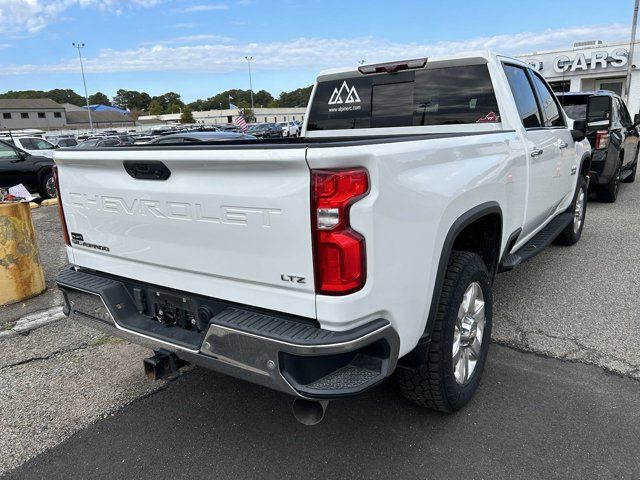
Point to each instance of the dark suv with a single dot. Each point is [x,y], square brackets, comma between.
[34,172]
[613,137]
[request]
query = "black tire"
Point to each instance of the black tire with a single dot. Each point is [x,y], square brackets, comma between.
[608,193]
[46,185]
[571,235]
[431,382]
[631,178]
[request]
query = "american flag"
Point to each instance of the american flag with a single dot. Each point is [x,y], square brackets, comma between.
[241,123]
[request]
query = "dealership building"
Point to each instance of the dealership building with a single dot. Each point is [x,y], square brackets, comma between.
[591,65]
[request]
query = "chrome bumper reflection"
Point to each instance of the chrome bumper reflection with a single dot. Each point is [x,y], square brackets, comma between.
[233,352]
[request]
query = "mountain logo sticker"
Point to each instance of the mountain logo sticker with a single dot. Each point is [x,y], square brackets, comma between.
[345,94]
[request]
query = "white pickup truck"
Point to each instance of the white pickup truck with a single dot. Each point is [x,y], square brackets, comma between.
[320,265]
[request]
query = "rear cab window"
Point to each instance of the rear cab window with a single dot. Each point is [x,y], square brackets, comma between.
[448,95]
[575,106]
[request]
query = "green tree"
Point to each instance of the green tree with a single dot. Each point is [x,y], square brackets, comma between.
[132,100]
[198,105]
[187,116]
[295,98]
[155,107]
[174,107]
[99,98]
[57,95]
[261,98]
[172,97]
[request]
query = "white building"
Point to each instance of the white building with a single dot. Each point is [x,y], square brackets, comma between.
[591,65]
[226,116]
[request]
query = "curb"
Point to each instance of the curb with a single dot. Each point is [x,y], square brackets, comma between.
[33,321]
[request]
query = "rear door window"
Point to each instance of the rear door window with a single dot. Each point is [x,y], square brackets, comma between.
[27,144]
[524,97]
[40,144]
[551,113]
[436,96]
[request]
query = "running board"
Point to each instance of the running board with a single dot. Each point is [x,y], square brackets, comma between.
[537,244]
[625,174]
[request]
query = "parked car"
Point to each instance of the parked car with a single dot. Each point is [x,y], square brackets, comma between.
[265,130]
[142,139]
[316,268]
[126,139]
[33,145]
[33,171]
[66,142]
[613,136]
[63,141]
[194,137]
[229,127]
[100,142]
[289,129]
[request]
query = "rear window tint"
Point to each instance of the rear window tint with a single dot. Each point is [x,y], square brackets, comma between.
[442,96]
[575,106]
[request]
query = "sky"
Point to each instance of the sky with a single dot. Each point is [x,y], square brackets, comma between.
[197,48]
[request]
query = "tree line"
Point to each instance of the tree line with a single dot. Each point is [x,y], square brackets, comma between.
[141,103]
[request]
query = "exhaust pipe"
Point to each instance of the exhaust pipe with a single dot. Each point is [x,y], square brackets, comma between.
[309,412]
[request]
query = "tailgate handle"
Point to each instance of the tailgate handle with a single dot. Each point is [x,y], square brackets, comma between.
[151,170]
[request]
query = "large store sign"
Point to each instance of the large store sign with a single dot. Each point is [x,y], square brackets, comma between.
[582,62]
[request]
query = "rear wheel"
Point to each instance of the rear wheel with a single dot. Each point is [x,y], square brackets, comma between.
[608,193]
[572,232]
[631,178]
[48,187]
[450,366]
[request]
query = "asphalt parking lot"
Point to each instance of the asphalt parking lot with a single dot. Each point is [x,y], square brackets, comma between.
[77,405]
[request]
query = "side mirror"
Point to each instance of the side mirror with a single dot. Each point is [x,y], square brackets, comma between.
[579,130]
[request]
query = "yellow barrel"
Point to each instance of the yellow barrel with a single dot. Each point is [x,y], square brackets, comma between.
[21,275]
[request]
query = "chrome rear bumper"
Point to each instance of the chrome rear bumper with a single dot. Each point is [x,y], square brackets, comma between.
[275,351]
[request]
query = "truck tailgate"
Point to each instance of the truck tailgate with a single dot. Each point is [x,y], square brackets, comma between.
[230,223]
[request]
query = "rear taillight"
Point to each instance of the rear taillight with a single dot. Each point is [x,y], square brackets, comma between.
[339,251]
[65,232]
[602,139]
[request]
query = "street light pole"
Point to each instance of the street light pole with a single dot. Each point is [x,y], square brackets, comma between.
[632,48]
[86,95]
[248,59]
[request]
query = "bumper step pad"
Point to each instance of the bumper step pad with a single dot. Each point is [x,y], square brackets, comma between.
[285,330]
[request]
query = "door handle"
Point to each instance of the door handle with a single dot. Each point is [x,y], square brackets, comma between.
[563,145]
[537,152]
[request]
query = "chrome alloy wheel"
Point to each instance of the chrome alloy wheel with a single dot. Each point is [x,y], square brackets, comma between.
[467,334]
[50,187]
[578,212]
